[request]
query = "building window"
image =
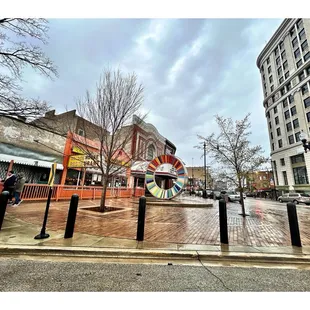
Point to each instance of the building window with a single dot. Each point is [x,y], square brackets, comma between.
[271,135]
[307,102]
[276,52]
[301,76]
[271,87]
[273,98]
[291,98]
[285,103]
[292,32]
[304,46]
[308,71]
[265,86]
[285,65]
[278,131]
[270,125]
[291,139]
[304,89]
[287,74]
[297,159]
[297,138]
[268,114]
[282,161]
[288,86]
[302,34]
[265,94]
[278,61]
[272,146]
[299,23]
[307,56]
[308,117]
[297,53]
[287,114]
[293,110]
[295,123]
[295,42]
[283,55]
[299,63]
[281,80]
[280,143]
[281,45]
[300,175]
[268,61]
[270,79]
[285,177]
[289,126]
[277,120]
[279,71]
[81,132]
[269,69]
[150,152]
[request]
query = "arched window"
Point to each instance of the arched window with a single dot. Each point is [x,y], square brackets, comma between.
[150,152]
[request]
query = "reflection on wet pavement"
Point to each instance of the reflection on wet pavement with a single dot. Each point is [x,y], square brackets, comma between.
[266,225]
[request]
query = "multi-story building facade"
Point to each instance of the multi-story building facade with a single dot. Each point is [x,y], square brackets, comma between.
[284,64]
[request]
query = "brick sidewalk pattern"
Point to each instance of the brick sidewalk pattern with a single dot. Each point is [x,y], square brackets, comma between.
[265,226]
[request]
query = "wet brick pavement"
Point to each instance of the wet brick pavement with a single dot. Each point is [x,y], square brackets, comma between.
[266,225]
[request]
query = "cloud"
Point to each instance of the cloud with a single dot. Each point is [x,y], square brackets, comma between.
[192,69]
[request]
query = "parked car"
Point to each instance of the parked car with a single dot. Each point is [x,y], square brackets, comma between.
[295,197]
[233,196]
[244,195]
[216,195]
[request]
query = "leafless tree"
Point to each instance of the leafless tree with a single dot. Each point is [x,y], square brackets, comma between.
[117,99]
[16,53]
[232,151]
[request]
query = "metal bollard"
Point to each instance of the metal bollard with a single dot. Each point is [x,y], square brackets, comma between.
[141,218]
[4,197]
[293,222]
[223,221]
[71,216]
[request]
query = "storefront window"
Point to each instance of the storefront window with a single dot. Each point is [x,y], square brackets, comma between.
[300,175]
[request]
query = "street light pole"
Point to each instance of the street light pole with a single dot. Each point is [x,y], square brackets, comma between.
[205,170]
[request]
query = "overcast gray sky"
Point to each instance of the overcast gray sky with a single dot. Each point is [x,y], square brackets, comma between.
[191,69]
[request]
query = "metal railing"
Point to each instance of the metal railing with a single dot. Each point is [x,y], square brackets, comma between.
[37,192]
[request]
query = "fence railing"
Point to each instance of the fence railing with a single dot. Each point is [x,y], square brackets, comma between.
[36,192]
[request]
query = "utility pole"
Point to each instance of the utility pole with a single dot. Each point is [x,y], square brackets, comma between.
[274,181]
[205,170]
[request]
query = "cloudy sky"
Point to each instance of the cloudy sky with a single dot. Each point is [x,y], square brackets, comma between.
[191,69]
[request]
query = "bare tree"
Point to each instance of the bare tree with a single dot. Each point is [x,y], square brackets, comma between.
[232,151]
[15,54]
[118,98]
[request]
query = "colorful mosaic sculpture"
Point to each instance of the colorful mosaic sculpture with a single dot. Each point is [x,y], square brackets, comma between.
[178,185]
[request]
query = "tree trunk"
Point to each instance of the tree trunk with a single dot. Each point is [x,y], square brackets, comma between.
[103,193]
[241,198]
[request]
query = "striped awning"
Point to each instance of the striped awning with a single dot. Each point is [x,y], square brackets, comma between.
[28,161]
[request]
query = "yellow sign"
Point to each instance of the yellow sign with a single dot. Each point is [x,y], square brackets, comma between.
[51,178]
[78,150]
[76,161]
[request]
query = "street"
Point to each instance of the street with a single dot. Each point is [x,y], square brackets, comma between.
[19,275]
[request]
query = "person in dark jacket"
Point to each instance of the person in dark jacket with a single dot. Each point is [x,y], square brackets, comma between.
[9,184]
[19,186]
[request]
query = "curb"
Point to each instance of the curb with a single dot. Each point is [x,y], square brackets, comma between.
[117,253]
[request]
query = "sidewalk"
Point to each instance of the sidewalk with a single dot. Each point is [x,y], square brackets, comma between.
[167,230]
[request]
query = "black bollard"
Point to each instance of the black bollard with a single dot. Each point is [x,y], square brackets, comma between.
[4,197]
[71,216]
[204,193]
[141,218]
[293,222]
[223,221]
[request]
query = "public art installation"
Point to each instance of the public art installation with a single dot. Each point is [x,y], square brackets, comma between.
[166,166]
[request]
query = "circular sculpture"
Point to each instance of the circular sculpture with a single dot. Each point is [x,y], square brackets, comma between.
[180,182]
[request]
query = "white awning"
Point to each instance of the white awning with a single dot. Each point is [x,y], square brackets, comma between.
[28,161]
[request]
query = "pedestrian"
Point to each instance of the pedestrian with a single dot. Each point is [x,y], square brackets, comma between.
[9,184]
[19,186]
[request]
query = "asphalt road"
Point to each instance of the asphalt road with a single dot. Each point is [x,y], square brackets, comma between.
[18,275]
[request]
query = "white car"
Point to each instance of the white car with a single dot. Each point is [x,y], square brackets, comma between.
[233,196]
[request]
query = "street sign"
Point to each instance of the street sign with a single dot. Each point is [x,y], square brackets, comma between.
[51,178]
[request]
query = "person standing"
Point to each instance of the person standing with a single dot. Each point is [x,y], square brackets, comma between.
[9,184]
[19,186]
